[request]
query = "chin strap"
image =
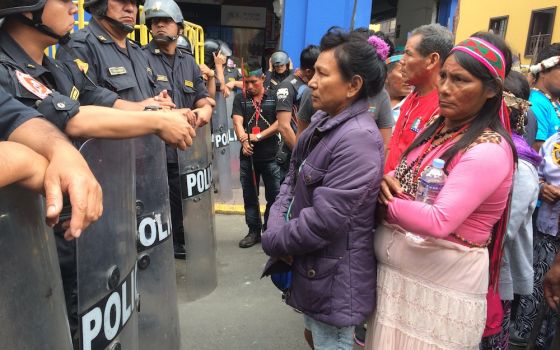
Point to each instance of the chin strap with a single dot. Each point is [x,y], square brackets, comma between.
[165,38]
[37,23]
[118,25]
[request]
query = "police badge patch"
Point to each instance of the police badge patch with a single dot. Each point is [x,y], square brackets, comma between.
[32,85]
[282,93]
[556,153]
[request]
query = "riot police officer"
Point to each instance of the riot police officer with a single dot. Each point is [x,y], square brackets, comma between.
[176,72]
[278,70]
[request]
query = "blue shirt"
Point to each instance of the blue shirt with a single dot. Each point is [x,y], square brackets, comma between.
[548,122]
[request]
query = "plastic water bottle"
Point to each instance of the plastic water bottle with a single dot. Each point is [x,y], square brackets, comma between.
[431,182]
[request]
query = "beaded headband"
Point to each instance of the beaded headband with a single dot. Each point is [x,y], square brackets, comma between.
[485,53]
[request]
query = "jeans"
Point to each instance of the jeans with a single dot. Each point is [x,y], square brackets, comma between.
[271,176]
[327,337]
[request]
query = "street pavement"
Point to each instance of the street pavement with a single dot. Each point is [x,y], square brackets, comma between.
[244,312]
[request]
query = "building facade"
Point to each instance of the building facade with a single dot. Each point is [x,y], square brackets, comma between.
[527,26]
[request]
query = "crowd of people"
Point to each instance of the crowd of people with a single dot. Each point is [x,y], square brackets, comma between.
[371,250]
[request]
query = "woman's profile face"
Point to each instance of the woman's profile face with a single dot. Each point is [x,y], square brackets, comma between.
[461,94]
[330,90]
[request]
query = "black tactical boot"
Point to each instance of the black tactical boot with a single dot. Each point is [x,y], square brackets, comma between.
[179,251]
[252,238]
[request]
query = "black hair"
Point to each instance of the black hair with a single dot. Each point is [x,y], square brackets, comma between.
[253,64]
[547,52]
[354,57]
[500,44]
[517,84]
[435,38]
[488,116]
[308,57]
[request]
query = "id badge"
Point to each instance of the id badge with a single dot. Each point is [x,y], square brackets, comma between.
[416,125]
[255,130]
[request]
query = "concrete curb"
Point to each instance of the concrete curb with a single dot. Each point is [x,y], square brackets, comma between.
[232,209]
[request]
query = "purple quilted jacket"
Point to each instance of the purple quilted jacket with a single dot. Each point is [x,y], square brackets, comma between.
[331,192]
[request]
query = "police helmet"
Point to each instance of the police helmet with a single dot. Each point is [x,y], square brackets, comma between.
[279,58]
[163,9]
[212,46]
[12,7]
[184,44]
[99,7]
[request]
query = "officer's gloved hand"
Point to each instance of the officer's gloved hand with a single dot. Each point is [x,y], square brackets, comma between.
[174,129]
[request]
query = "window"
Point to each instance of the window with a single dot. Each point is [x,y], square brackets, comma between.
[540,30]
[498,25]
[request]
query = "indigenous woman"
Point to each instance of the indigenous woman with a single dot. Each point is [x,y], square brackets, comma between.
[433,259]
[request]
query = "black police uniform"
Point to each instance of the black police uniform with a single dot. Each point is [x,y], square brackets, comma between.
[180,76]
[53,88]
[272,80]
[13,115]
[124,71]
[288,99]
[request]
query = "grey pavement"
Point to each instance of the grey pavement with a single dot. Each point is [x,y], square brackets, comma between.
[243,312]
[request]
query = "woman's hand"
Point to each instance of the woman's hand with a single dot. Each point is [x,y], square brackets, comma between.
[390,188]
[550,193]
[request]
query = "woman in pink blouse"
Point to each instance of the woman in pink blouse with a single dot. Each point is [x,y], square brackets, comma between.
[433,260]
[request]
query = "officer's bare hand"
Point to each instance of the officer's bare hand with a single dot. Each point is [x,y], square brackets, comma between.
[207,73]
[247,148]
[175,130]
[163,100]
[69,173]
[551,285]
[190,115]
[550,193]
[390,187]
[226,91]
[21,164]
[219,58]
[204,115]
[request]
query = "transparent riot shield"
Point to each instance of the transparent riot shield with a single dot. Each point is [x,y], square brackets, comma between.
[220,139]
[159,316]
[32,309]
[106,253]
[195,169]
[234,145]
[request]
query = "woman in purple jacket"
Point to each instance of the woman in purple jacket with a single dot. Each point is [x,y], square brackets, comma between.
[324,214]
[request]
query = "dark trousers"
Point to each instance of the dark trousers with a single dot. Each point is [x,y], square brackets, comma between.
[271,175]
[176,203]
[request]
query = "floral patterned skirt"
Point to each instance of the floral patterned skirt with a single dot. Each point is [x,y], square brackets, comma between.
[431,293]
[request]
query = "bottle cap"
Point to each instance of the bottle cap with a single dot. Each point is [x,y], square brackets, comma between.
[438,163]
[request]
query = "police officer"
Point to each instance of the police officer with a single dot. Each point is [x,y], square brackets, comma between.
[56,90]
[288,99]
[278,70]
[176,72]
[215,56]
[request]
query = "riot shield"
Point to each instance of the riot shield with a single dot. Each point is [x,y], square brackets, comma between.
[106,253]
[195,168]
[234,145]
[159,316]
[220,140]
[32,309]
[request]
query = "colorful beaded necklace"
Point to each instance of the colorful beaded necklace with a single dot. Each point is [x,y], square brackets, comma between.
[552,102]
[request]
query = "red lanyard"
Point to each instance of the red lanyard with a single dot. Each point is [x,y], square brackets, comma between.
[257,107]
[429,144]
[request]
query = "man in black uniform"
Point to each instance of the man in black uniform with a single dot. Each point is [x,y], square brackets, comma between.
[254,120]
[288,97]
[176,72]
[278,70]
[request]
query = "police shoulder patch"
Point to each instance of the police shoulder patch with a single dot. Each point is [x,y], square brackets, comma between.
[32,85]
[282,93]
[84,67]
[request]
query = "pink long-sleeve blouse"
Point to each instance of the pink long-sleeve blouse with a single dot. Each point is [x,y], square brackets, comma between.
[472,199]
